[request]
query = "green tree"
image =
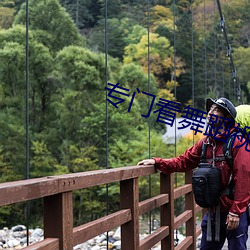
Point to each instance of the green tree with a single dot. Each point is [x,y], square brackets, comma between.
[13,60]
[161,57]
[53,25]
[84,13]
[117,32]
[13,148]
[42,163]
[12,106]
[161,16]
[237,21]
[6,17]
[241,56]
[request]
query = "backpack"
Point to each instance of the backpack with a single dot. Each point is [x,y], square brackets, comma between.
[206,185]
[206,179]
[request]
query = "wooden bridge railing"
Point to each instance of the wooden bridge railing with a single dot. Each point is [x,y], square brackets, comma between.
[56,192]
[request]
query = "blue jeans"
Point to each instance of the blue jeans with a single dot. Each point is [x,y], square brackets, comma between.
[237,238]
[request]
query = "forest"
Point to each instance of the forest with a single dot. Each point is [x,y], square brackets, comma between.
[54,114]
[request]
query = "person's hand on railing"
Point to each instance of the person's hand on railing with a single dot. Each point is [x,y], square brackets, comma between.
[146,162]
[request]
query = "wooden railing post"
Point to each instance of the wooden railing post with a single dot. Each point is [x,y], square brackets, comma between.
[129,198]
[167,210]
[190,205]
[58,219]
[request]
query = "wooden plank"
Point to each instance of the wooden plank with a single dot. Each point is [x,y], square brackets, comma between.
[98,177]
[46,244]
[58,219]
[182,218]
[185,244]
[90,230]
[152,203]
[178,192]
[129,196]
[154,238]
[24,190]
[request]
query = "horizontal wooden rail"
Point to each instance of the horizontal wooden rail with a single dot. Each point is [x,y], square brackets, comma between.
[46,244]
[90,230]
[152,203]
[182,218]
[185,244]
[154,238]
[24,190]
[185,189]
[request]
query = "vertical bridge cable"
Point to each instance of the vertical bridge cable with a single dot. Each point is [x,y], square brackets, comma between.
[174,59]
[205,52]
[229,83]
[149,149]
[174,78]
[27,113]
[106,78]
[229,54]
[77,13]
[215,52]
[221,47]
[192,74]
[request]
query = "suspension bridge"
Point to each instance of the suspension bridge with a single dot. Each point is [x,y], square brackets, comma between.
[56,192]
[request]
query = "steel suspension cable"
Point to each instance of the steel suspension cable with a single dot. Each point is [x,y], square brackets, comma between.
[149,103]
[192,74]
[77,13]
[223,79]
[229,83]
[107,111]
[215,51]
[221,48]
[205,52]
[174,75]
[27,207]
[175,93]
[229,54]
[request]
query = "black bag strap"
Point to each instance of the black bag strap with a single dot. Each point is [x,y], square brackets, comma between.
[227,149]
[203,152]
[217,219]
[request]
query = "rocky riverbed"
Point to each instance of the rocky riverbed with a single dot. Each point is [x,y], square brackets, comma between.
[16,238]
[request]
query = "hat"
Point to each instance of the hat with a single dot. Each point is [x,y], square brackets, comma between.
[223,103]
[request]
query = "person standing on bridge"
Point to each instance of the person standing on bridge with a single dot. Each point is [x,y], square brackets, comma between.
[233,210]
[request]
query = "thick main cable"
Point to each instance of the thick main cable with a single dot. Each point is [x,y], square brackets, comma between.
[229,52]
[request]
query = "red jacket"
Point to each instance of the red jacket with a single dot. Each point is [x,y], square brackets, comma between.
[241,169]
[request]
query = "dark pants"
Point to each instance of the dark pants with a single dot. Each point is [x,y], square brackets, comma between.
[237,238]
